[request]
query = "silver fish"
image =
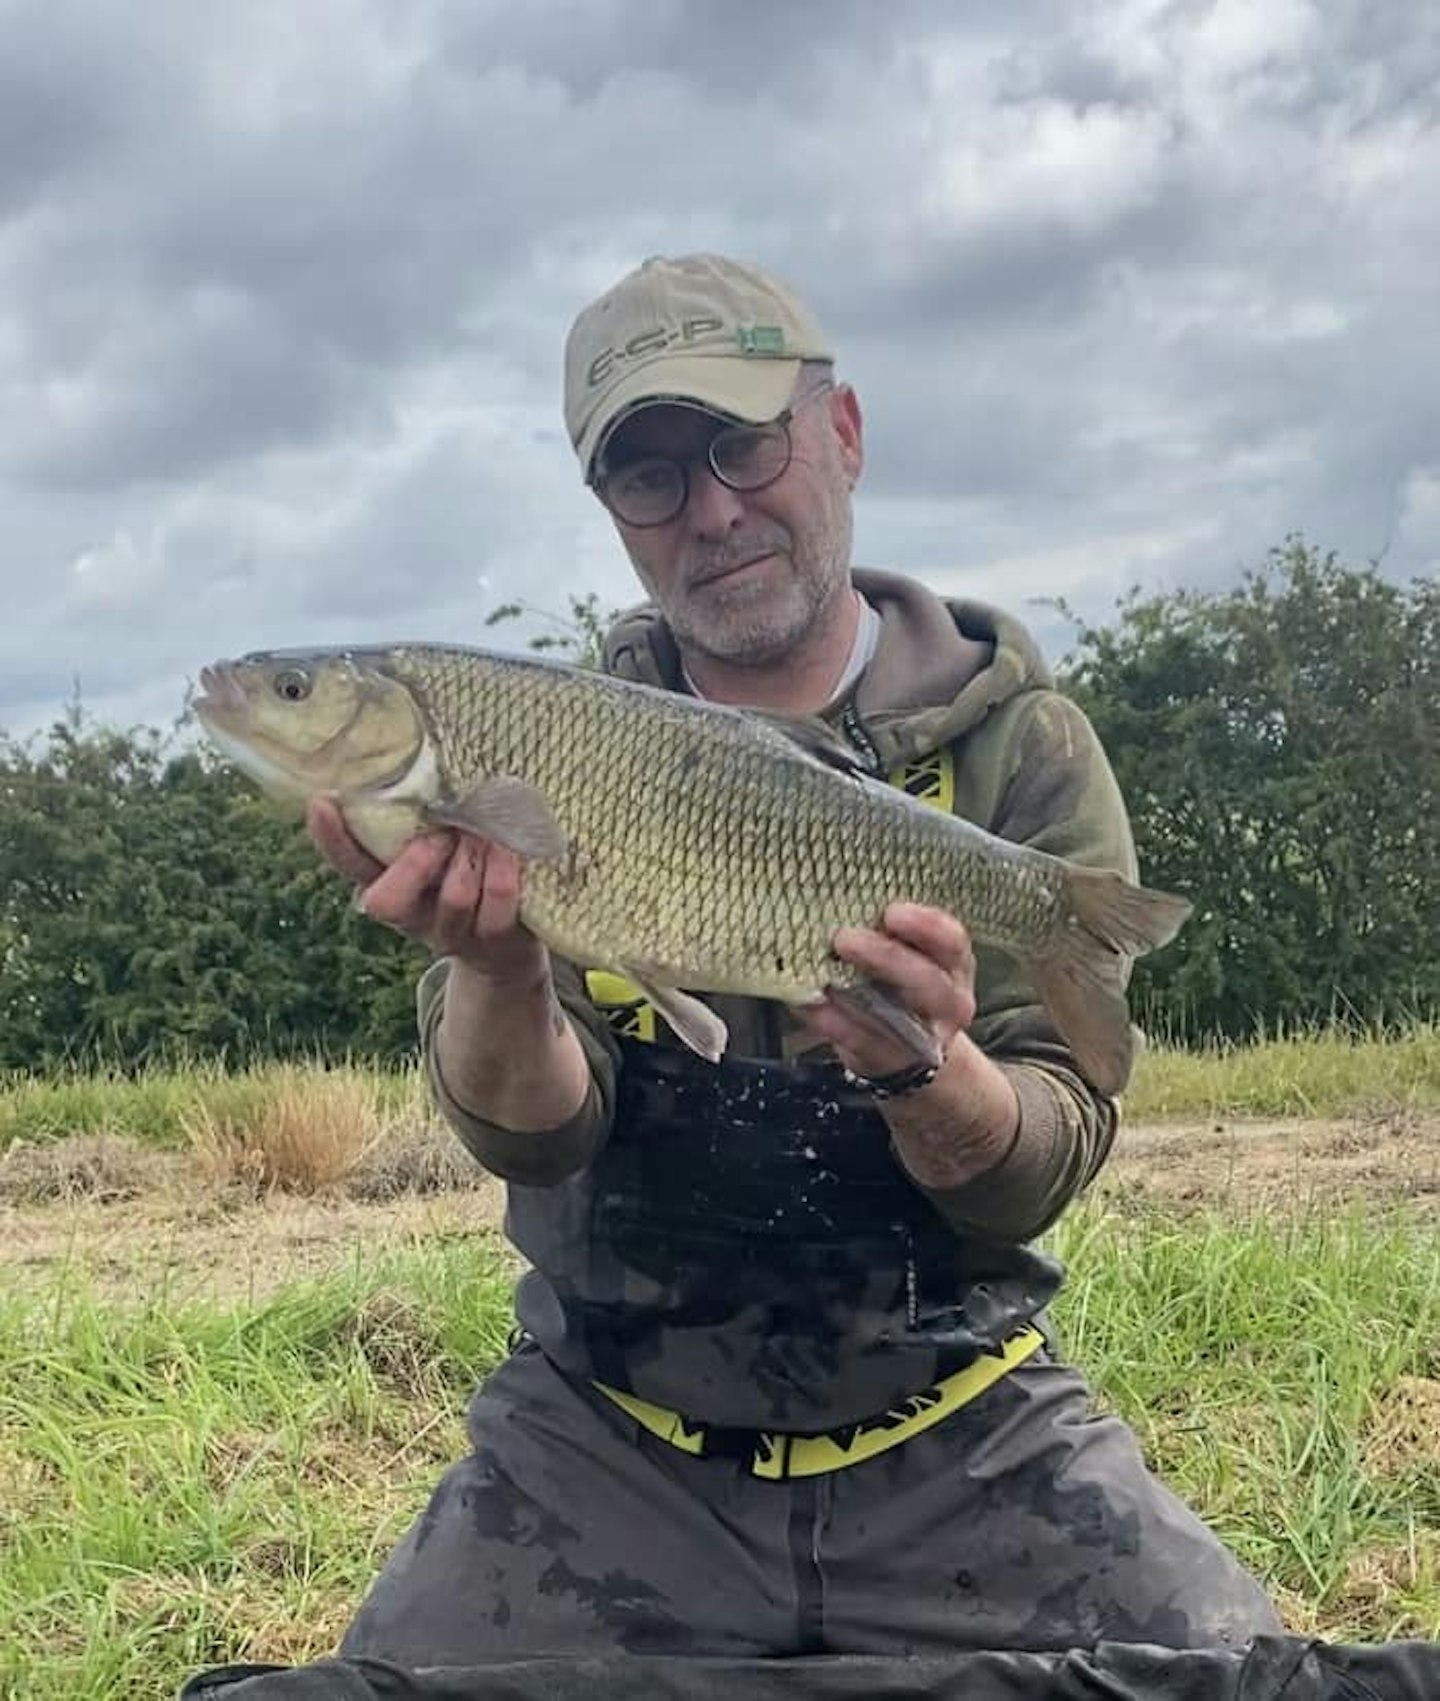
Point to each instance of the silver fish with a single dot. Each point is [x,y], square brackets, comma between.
[680,844]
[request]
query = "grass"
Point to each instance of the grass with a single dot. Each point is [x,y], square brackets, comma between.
[1332,1072]
[1329,1072]
[180,1485]
[1283,1374]
[185,1481]
[164,1107]
[187,1484]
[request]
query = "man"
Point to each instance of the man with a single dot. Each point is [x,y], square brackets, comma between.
[778,1386]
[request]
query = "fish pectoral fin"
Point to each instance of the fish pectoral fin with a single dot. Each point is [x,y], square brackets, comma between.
[875,1003]
[816,738]
[695,1023]
[511,812]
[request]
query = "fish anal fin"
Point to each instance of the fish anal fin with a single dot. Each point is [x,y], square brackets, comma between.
[510,811]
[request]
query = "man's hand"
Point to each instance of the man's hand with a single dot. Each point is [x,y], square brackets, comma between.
[924,959]
[966,1122]
[458,894]
[503,1046]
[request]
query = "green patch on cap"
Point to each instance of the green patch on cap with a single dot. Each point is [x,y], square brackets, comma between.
[761,339]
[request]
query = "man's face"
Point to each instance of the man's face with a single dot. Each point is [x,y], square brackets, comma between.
[741,575]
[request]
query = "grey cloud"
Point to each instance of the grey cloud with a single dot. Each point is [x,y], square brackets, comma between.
[194,395]
[292,271]
[60,101]
[747,49]
[1124,300]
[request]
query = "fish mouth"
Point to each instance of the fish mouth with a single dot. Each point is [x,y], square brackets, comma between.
[220,692]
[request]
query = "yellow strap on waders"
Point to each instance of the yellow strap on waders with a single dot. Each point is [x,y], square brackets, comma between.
[779,1457]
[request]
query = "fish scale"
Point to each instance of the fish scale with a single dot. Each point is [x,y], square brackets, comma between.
[713,846]
[684,845]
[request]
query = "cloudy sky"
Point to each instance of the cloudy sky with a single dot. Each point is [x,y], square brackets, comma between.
[1129,291]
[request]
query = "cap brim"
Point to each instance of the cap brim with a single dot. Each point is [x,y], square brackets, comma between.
[745,388]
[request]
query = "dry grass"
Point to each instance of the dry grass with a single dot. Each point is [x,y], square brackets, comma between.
[412,1159]
[306,1132]
[398,1342]
[1403,1430]
[105,1168]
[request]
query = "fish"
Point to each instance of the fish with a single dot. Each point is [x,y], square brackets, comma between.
[688,846]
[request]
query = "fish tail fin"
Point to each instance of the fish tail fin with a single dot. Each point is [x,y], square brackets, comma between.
[1081,978]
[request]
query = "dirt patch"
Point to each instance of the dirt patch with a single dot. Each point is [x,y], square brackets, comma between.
[138,1228]
[186,1241]
[1376,1160]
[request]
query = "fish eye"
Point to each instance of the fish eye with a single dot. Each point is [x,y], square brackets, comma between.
[293,684]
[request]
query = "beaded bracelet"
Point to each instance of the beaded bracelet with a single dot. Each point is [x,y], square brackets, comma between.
[898,1084]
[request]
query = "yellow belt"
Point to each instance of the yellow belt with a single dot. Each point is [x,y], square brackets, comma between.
[778,1456]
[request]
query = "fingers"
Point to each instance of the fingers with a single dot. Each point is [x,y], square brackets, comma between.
[479,897]
[461,896]
[922,957]
[403,895]
[499,910]
[458,893]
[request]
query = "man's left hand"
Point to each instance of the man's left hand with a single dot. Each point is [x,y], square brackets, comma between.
[924,959]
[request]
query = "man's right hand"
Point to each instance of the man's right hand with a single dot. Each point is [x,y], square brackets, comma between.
[458,894]
[503,1045]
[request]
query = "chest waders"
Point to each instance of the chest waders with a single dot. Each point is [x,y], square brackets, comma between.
[746,1249]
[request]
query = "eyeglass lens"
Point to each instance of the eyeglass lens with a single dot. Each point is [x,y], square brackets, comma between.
[653,489]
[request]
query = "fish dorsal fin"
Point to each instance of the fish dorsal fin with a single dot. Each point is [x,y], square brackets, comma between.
[816,738]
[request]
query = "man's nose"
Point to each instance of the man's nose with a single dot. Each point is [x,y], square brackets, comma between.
[713,508]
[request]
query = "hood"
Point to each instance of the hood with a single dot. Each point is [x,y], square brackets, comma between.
[940,666]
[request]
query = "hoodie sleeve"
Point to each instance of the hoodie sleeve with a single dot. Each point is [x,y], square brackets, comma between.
[535,1158]
[1035,773]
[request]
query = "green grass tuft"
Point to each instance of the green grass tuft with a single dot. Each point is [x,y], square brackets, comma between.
[180,1484]
[1334,1072]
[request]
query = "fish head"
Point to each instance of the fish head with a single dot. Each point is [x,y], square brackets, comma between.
[312,723]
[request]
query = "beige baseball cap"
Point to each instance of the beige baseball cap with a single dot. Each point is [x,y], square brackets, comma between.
[699,329]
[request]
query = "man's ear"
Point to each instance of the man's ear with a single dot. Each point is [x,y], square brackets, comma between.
[849,426]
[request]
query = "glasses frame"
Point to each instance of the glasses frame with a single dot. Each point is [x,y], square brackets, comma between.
[683,464]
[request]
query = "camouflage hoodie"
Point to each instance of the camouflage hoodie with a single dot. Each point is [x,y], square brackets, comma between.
[956,676]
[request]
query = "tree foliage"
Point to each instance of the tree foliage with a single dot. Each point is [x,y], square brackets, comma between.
[1275,740]
[1276,744]
[155,907]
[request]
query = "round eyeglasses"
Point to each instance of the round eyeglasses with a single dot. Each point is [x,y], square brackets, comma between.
[652,489]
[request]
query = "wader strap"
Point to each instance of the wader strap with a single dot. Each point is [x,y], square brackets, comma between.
[779,1457]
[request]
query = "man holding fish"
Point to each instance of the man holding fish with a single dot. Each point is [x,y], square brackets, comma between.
[782,1381]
